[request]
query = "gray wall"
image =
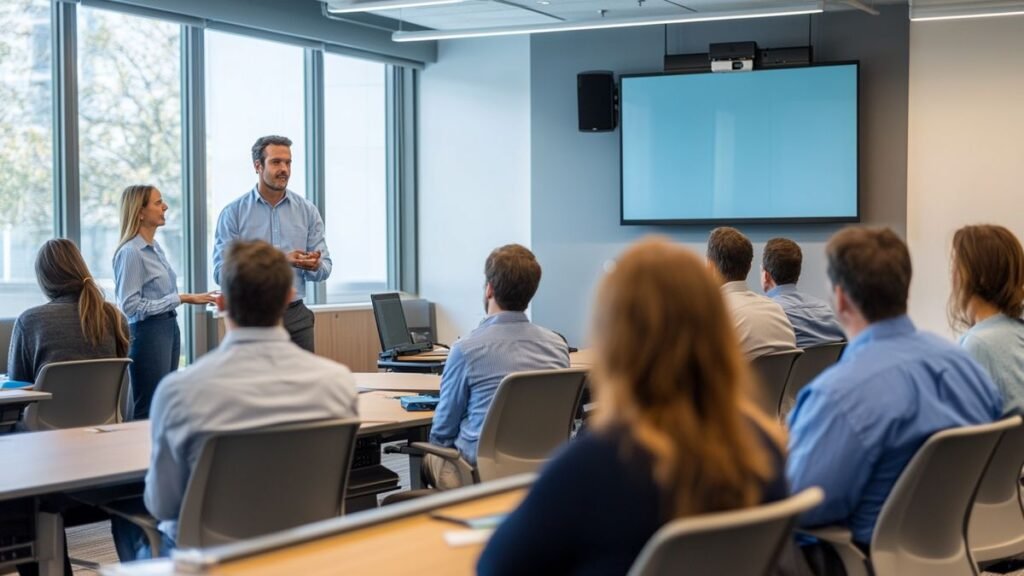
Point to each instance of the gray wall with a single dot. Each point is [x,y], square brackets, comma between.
[575,227]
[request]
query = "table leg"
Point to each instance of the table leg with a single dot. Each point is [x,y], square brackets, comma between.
[50,543]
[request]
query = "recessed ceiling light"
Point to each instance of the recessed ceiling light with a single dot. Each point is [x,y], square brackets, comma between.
[543,2]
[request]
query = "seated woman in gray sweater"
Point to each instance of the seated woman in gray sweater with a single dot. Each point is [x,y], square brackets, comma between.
[76,324]
[987,299]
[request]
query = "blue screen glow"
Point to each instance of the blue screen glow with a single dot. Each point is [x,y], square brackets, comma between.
[770,144]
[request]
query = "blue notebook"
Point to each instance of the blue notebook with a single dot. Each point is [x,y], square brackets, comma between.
[419,403]
[6,384]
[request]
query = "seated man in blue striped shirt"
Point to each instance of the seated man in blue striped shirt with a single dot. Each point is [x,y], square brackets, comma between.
[857,425]
[812,318]
[505,342]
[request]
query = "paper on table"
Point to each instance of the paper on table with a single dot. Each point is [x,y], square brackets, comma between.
[155,567]
[457,538]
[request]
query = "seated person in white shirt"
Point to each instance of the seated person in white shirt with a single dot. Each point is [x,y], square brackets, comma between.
[761,325]
[257,377]
[505,342]
[812,318]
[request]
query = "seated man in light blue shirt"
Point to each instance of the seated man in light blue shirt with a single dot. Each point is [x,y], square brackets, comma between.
[273,213]
[256,378]
[505,342]
[812,318]
[856,426]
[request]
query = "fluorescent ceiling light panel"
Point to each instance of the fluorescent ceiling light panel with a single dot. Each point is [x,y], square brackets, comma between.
[374,5]
[927,11]
[814,7]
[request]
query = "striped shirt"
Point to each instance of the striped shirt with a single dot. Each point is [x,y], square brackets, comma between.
[144,282]
[505,342]
[293,224]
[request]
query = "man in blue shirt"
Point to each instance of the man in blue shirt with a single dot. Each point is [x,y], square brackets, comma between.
[292,224]
[812,318]
[505,342]
[856,426]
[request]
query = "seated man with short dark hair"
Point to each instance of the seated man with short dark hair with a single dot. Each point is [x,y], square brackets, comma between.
[761,325]
[812,318]
[257,377]
[857,425]
[505,342]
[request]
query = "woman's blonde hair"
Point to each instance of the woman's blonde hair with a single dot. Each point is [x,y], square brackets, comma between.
[988,262]
[61,271]
[133,199]
[670,372]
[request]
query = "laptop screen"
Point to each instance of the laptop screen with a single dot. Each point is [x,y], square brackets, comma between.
[387,311]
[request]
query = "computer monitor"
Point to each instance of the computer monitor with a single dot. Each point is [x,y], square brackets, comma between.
[391,325]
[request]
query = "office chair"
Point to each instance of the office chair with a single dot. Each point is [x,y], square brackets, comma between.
[85,393]
[772,371]
[253,482]
[806,368]
[738,542]
[921,530]
[531,415]
[996,528]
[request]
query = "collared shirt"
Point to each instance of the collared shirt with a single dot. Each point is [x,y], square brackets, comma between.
[856,426]
[256,378]
[812,318]
[997,343]
[761,325]
[293,224]
[144,282]
[503,343]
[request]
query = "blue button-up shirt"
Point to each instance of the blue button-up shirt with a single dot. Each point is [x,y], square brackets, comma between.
[812,318]
[144,282]
[856,426]
[293,224]
[503,343]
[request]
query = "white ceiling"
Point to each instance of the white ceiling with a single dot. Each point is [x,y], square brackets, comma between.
[492,13]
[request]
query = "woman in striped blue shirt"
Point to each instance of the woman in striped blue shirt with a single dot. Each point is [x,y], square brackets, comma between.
[147,293]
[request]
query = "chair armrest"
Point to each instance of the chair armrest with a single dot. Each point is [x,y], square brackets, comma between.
[421,448]
[148,524]
[841,540]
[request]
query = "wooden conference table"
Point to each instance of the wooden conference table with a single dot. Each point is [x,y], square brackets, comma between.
[39,465]
[399,539]
[13,400]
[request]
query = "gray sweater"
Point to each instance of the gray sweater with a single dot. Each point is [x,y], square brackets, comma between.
[52,333]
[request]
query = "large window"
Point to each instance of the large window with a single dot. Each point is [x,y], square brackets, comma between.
[26,120]
[253,88]
[129,82]
[355,176]
[93,100]
[129,105]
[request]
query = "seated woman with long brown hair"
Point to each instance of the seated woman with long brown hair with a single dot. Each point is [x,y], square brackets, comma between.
[674,434]
[76,324]
[987,299]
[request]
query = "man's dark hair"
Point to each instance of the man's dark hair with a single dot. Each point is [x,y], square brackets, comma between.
[782,260]
[872,265]
[259,149]
[514,274]
[731,252]
[256,280]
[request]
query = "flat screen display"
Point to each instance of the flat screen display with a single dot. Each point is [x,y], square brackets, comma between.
[775,145]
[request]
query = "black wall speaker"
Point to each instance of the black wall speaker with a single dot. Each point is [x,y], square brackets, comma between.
[597,101]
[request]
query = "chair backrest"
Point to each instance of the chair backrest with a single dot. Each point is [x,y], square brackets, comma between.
[738,543]
[530,416]
[772,372]
[996,528]
[812,362]
[922,528]
[6,329]
[254,482]
[85,393]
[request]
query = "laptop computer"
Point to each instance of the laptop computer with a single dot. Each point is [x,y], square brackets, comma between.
[392,328]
